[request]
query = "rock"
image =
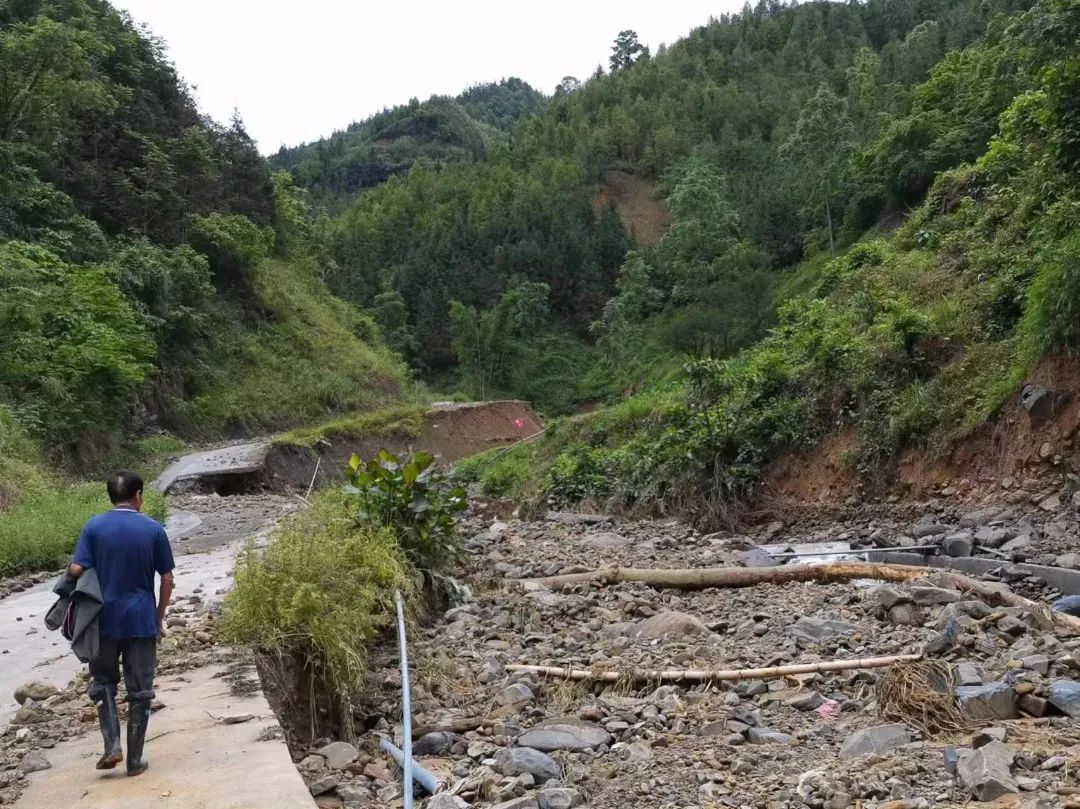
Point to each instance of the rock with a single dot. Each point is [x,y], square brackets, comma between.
[446,801]
[434,744]
[575,518]
[558,798]
[565,734]
[28,716]
[926,596]
[526,802]
[355,795]
[942,641]
[930,529]
[324,783]
[1065,696]
[1069,560]
[1070,605]
[957,545]
[991,701]
[767,736]
[1033,705]
[34,761]
[821,630]
[987,772]
[312,764]
[969,674]
[1037,401]
[339,755]
[905,615]
[987,735]
[491,671]
[880,739]
[515,694]
[807,701]
[886,597]
[1036,663]
[518,760]
[606,540]
[37,690]
[1051,503]
[670,625]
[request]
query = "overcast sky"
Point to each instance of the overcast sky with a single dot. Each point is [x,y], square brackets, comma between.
[299,70]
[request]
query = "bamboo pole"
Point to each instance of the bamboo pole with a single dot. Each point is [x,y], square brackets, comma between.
[715,675]
[703,578]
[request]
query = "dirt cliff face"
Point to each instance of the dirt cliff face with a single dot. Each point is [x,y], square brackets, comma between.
[450,432]
[1019,456]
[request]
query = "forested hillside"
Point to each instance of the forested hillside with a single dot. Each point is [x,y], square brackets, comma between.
[154,274]
[775,135]
[874,216]
[439,130]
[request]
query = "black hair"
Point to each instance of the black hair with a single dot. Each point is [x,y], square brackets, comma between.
[123,486]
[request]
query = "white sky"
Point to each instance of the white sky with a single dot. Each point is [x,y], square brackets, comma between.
[299,70]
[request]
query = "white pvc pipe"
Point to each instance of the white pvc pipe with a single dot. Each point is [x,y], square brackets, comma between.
[406,706]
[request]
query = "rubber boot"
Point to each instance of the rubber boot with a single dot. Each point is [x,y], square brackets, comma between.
[109,720]
[138,719]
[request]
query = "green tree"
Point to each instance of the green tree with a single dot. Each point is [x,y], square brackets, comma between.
[488,342]
[820,150]
[626,50]
[392,317]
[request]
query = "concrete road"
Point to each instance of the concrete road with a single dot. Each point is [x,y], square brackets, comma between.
[237,459]
[196,761]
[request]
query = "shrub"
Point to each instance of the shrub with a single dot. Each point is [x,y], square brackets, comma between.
[411,498]
[233,244]
[1052,318]
[322,591]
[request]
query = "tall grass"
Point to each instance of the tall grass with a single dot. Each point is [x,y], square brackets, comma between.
[321,592]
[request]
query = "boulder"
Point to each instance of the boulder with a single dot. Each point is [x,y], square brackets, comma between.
[991,701]
[880,739]
[1065,696]
[987,772]
[37,690]
[670,625]
[559,798]
[929,529]
[518,760]
[821,630]
[525,802]
[1037,401]
[339,755]
[565,734]
[434,744]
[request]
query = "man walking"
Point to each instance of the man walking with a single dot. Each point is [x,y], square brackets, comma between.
[125,548]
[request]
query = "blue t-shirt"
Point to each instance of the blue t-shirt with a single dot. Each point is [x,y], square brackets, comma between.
[125,547]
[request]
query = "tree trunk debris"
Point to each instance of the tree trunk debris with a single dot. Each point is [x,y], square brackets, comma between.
[715,675]
[703,578]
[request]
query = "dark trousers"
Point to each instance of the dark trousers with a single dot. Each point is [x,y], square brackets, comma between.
[139,659]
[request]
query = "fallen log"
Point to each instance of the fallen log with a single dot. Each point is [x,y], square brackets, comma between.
[703,578]
[452,726]
[715,675]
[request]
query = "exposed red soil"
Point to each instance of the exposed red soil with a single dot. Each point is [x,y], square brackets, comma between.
[645,217]
[1004,453]
[449,432]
